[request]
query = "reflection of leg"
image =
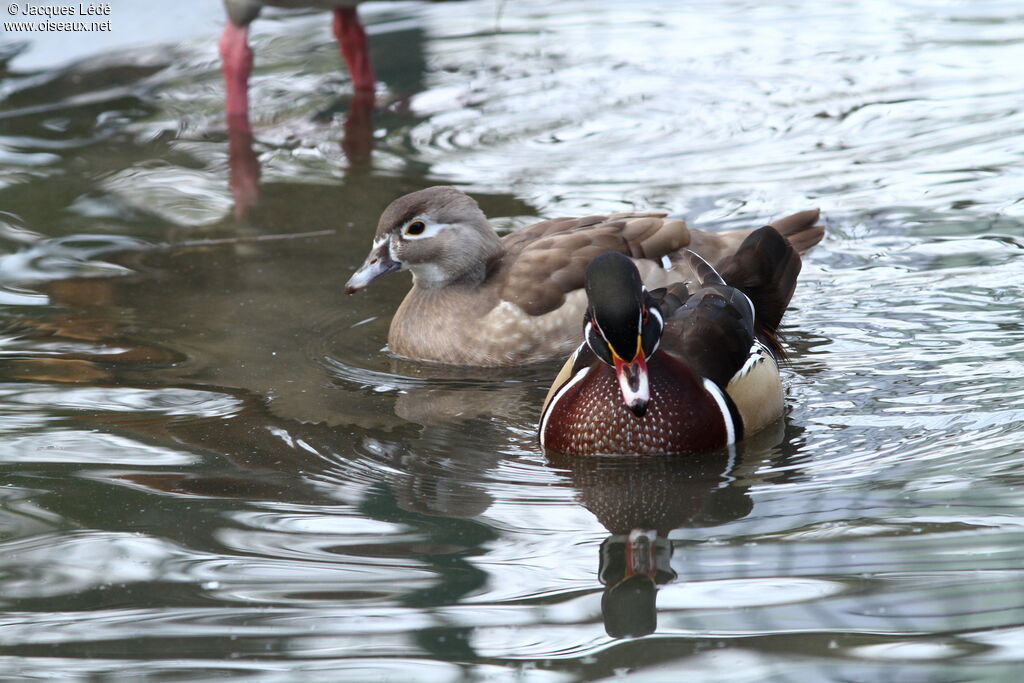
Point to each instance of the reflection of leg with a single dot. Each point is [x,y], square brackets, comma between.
[244,170]
[236,63]
[358,140]
[641,557]
[354,48]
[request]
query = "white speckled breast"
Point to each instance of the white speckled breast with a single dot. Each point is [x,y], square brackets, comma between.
[591,417]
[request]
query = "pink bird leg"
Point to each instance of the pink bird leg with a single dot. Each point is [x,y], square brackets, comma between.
[236,63]
[354,47]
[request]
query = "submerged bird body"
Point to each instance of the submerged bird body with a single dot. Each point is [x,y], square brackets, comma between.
[484,300]
[683,370]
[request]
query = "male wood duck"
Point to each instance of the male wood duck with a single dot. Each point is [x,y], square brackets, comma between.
[679,370]
[479,299]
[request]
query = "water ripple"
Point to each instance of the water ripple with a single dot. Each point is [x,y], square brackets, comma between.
[210,447]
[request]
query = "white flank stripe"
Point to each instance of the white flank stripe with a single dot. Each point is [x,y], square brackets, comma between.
[554,399]
[716,393]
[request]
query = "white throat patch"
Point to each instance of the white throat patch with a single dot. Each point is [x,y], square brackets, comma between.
[427,274]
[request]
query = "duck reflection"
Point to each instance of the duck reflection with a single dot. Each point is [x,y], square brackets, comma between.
[641,500]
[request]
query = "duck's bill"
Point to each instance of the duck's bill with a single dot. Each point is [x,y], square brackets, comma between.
[378,263]
[633,381]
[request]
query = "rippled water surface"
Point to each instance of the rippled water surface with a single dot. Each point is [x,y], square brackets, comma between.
[209,466]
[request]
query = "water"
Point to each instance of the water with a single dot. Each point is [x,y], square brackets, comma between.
[210,468]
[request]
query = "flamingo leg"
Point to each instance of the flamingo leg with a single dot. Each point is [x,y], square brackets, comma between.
[354,47]
[236,64]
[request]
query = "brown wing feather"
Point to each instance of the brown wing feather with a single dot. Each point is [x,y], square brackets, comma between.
[801,229]
[713,329]
[545,261]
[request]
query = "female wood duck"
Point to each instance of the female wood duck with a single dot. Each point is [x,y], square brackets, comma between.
[478,299]
[675,371]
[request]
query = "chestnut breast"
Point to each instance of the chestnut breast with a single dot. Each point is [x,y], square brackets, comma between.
[591,417]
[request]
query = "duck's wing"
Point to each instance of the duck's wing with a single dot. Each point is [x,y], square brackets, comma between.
[712,329]
[801,229]
[544,262]
[548,260]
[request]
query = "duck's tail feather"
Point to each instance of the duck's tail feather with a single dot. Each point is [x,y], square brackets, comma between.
[801,229]
[765,268]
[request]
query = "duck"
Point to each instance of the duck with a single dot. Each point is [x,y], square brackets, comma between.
[686,369]
[478,299]
[237,57]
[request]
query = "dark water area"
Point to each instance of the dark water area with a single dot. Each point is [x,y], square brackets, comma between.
[211,467]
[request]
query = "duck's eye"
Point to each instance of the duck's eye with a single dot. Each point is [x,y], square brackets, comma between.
[415,228]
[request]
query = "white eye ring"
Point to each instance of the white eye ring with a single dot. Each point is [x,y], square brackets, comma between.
[421,228]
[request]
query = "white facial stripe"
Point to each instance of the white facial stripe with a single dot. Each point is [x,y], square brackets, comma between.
[558,395]
[716,393]
[661,326]
[587,331]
